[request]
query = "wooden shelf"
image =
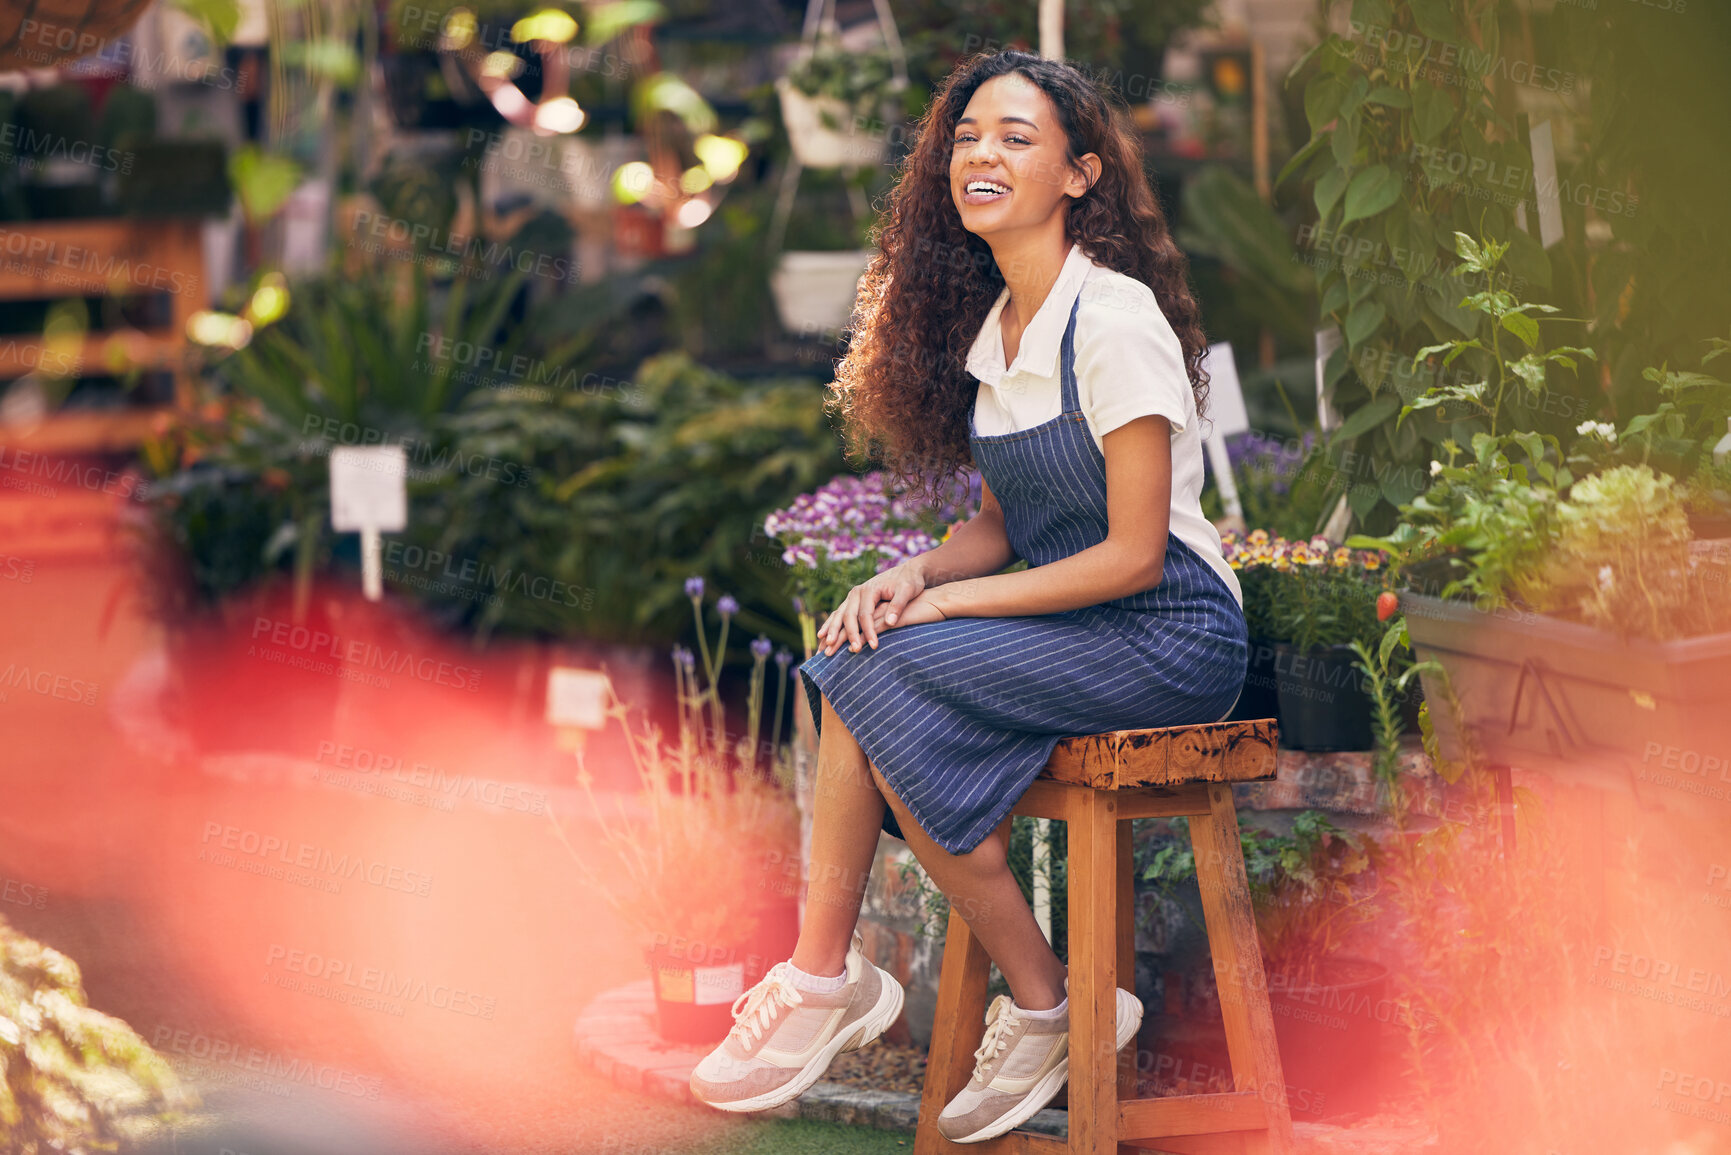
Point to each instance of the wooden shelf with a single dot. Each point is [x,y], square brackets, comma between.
[87,431]
[109,257]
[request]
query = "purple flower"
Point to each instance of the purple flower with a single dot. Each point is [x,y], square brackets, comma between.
[687,659]
[783,656]
[760,648]
[798,602]
[693,587]
[727,605]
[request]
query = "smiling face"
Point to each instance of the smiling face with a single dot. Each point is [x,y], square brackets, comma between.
[1008,165]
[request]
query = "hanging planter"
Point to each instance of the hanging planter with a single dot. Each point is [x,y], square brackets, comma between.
[815,291]
[824,132]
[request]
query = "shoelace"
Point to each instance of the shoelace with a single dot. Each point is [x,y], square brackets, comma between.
[772,992]
[1000,1021]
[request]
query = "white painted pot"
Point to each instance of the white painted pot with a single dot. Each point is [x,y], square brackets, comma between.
[815,291]
[818,146]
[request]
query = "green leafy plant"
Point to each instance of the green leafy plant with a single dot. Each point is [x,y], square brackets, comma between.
[1302,886]
[859,80]
[356,359]
[1504,314]
[1487,520]
[1621,560]
[1677,435]
[633,484]
[1387,681]
[1389,132]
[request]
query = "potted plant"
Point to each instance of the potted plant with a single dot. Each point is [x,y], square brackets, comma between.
[833,102]
[1305,603]
[693,874]
[1567,615]
[1329,1008]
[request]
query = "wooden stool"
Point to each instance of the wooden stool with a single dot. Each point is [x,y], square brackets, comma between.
[1097,784]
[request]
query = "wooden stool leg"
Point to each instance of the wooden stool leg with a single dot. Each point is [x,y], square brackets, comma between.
[1128,1070]
[957,1027]
[1238,966]
[1093,934]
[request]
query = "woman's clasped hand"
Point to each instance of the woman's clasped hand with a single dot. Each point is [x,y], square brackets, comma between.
[896,597]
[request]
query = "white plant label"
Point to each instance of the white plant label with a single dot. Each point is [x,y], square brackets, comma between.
[1545,185]
[576,697]
[1327,341]
[722,984]
[369,495]
[1225,394]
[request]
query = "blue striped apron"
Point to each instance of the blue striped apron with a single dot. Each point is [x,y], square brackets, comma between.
[960,716]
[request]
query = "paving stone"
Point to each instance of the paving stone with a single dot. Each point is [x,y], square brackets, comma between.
[642,1062]
[671,1083]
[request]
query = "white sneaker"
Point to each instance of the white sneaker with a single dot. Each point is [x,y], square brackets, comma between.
[783,1037]
[1019,1067]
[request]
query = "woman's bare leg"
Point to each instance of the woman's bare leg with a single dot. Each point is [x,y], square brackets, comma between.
[847,814]
[982,890]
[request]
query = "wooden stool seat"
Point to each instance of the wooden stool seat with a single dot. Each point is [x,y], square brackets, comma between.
[1097,784]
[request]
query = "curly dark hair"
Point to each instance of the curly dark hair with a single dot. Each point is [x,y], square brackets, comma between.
[902,390]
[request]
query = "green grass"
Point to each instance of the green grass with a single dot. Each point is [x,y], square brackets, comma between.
[800,1137]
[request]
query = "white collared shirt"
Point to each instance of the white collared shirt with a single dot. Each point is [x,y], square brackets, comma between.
[1128,363]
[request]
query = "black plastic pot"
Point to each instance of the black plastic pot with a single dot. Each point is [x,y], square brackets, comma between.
[1329,1027]
[1323,705]
[1260,697]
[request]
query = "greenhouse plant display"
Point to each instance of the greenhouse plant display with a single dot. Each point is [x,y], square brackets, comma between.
[1572,614]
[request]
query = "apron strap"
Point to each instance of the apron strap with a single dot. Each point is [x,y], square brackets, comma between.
[1071,404]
